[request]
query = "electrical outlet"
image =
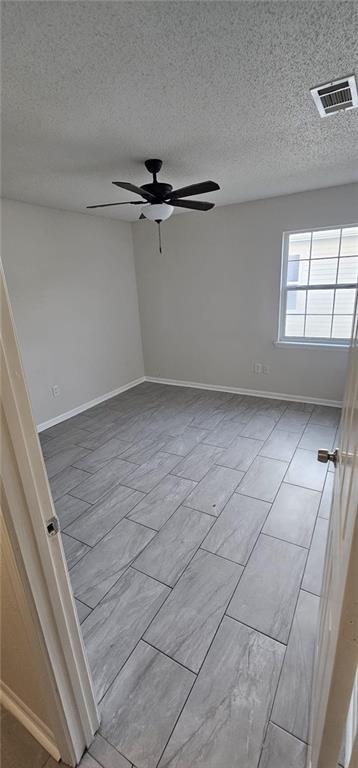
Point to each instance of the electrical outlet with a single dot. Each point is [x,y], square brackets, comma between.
[55,390]
[261,368]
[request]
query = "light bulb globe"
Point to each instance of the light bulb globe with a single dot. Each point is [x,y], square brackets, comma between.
[157,211]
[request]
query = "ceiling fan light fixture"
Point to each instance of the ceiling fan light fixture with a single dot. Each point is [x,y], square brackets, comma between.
[157,211]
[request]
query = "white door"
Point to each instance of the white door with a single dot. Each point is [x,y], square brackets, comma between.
[337,643]
[39,557]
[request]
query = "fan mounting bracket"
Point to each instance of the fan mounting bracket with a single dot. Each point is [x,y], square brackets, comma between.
[153,166]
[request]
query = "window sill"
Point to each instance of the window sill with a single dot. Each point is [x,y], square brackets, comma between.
[308,345]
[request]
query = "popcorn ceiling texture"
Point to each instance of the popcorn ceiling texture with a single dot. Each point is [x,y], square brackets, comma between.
[217,89]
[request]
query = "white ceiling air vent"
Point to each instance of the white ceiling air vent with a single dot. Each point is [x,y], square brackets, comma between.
[336,96]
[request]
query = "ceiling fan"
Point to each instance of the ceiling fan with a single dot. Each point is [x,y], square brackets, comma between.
[161,199]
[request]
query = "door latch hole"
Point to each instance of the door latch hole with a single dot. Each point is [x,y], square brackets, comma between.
[52,526]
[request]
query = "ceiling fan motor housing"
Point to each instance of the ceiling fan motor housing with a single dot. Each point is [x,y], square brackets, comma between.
[158,189]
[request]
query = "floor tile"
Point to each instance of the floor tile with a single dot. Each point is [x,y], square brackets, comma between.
[145,477]
[143,449]
[184,443]
[263,479]
[103,435]
[87,420]
[74,550]
[291,706]
[224,434]
[223,722]
[273,408]
[305,470]
[18,748]
[297,406]
[137,427]
[174,546]
[175,427]
[312,580]
[98,416]
[169,420]
[98,571]
[66,480]
[44,438]
[52,446]
[114,628]
[214,490]
[281,750]
[63,459]
[107,755]
[88,762]
[327,497]
[266,595]
[100,518]
[187,622]
[98,458]
[176,453]
[293,514]
[245,409]
[68,430]
[240,453]
[96,485]
[325,415]
[235,532]
[315,436]
[210,419]
[198,462]
[280,445]
[82,610]
[68,509]
[293,421]
[157,506]
[142,706]
[259,427]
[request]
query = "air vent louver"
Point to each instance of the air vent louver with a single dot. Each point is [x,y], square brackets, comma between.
[336,96]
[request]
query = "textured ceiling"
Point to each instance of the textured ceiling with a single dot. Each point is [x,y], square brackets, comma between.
[218,90]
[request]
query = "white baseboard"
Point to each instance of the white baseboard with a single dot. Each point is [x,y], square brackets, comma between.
[251,392]
[29,720]
[192,384]
[90,404]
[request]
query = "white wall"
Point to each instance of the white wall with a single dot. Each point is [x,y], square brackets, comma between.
[209,303]
[72,286]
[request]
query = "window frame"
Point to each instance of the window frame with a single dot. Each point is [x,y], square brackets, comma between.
[307,341]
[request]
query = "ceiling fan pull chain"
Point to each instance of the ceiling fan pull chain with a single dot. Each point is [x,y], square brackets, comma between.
[160,238]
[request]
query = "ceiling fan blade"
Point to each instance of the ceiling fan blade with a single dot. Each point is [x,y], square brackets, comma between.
[196,205]
[108,205]
[132,188]
[194,189]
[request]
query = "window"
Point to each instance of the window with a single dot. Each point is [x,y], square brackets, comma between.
[319,286]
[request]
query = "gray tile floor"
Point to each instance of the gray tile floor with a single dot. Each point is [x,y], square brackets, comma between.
[194,525]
